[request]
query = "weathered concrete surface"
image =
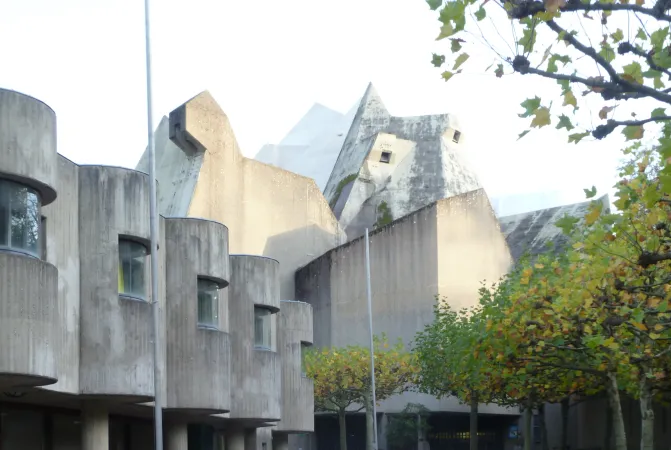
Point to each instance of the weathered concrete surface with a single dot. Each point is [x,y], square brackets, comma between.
[535,232]
[445,249]
[62,235]
[256,387]
[28,143]
[268,211]
[116,349]
[312,146]
[294,331]
[198,360]
[29,325]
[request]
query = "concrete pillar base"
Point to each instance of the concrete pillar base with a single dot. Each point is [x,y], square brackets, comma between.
[176,436]
[95,427]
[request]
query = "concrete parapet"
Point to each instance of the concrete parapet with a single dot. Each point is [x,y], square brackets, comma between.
[294,335]
[116,349]
[255,367]
[28,321]
[198,345]
[28,143]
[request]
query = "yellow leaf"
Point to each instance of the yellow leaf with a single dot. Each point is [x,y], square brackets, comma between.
[640,326]
[569,99]
[541,117]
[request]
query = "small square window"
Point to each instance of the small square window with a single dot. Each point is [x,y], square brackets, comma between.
[456,136]
[132,263]
[208,304]
[385,157]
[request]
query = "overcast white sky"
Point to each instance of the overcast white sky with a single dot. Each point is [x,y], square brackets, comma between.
[266,62]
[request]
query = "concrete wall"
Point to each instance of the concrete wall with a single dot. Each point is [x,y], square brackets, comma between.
[115,332]
[198,359]
[444,249]
[294,331]
[28,143]
[269,211]
[255,374]
[62,234]
[29,326]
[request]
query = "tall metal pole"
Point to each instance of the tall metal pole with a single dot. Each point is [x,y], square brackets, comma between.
[372,344]
[153,223]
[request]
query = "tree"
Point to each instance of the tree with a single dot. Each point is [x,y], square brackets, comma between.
[601,53]
[342,379]
[405,428]
[600,311]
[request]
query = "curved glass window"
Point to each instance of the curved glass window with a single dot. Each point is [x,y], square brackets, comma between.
[20,218]
[262,328]
[208,303]
[132,269]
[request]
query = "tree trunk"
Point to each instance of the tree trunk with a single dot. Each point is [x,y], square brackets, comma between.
[544,430]
[528,429]
[343,429]
[565,403]
[371,439]
[647,413]
[619,434]
[474,422]
[608,441]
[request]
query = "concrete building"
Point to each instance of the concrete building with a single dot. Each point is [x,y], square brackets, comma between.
[76,364]
[387,167]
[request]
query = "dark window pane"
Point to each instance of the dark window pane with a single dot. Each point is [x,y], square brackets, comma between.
[20,218]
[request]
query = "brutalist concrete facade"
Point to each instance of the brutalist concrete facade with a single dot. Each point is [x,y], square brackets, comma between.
[76,360]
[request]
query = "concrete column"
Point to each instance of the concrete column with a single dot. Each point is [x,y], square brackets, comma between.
[235,439]
[280,441]
[176,436]
[95,427]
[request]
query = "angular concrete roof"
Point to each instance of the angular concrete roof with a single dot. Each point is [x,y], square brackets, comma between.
[535,232]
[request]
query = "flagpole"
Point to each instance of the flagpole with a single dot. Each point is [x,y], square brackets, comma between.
[153,223]
[372,343]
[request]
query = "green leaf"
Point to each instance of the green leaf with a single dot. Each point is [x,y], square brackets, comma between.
[541,117]
[446,30]
[480,14]
[589,193]
[434,4]
[566,223]
[552,63]
[577,137]
[633,72]
[565,122]
[437,60]
[455,46]
[641,34]
[499,71]
[607,52]
[530,105]
[569,99]
[617,36]
[658,37]
[528,39]
[658,112]
[462,58]
[522,134]
[447,75]
[632,132]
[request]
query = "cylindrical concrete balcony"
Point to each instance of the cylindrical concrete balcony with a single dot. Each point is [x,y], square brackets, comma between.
[255,366]
[115,313]
[294,336]
[28,143]
[198,345]
[29,327]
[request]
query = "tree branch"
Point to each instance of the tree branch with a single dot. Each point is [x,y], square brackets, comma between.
[526,9]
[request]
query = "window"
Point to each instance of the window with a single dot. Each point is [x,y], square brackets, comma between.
[456,136]
[262,328]
[385,157]
[132,269]
[208,303]
[43,237]
[304,350]
[20,218]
